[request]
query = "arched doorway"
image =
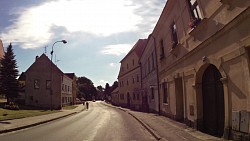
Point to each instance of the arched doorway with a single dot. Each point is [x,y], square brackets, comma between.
[213,102]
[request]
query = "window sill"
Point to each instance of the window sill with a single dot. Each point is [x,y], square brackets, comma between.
[165,104]
[198,28]
[175,49]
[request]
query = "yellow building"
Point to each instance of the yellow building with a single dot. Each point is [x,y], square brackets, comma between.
[1,49]
[129,77]
[203,58]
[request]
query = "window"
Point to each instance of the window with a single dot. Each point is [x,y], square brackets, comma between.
[174,35]
[36,84]
[133,80]
[152,93]
[133,62]
[137,78]
[138,96]
[133,96]
[62,87]
[127,65]
[195,13]
[162,54]
[127,82]
[165,92]
[48,84]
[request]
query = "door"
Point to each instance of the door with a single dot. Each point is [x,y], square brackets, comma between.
[213,102]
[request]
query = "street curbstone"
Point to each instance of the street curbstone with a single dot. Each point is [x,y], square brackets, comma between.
[149,129]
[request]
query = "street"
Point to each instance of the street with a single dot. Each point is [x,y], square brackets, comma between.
[98,123]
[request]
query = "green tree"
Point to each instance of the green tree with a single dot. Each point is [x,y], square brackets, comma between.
[107,91]
[100,92]
[86,88]
[8,75]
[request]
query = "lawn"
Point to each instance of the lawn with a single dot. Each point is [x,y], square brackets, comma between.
[24,111]
[69,107]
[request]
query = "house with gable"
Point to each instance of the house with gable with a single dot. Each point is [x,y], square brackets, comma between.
[129,77]
[41,90]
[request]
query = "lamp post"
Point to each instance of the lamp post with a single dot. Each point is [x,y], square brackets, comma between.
[51,90]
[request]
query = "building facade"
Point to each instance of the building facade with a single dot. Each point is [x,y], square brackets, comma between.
[21,92]
[203,64]
[73,77]
[115,96]
[149,77]
[1,49]
[41,91]
[129,77]
[67,92]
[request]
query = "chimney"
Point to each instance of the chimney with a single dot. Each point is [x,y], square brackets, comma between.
[37,57]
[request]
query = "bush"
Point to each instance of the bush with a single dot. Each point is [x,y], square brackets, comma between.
[11,106]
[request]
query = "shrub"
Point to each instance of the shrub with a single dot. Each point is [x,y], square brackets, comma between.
[11,106]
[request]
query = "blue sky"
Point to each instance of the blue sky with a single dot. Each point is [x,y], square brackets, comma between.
[99,33]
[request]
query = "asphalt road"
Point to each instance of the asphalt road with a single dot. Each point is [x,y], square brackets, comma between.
[98,123]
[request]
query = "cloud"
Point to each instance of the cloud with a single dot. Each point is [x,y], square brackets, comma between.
[149,11]
[111,64]
[103,82]
[34,26]
[118,49]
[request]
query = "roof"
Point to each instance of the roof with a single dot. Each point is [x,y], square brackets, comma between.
[137,48]
[22,77]
[70,75]
[44,58]
[116,90]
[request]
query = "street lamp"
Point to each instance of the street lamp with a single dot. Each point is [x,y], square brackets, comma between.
[52,51]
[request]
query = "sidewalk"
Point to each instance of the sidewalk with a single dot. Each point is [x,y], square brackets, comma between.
[18,124]
[165,129]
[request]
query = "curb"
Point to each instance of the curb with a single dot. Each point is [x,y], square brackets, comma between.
[38,123]
[150,130]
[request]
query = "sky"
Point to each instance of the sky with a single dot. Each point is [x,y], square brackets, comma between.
[98,33]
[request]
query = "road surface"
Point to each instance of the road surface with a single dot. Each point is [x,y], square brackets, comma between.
[98,123]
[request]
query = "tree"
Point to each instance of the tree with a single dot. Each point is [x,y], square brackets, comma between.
[107,91]
[8,75]
[100,92]
[86,88]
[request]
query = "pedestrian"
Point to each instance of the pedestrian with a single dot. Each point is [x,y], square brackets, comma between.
[87,105]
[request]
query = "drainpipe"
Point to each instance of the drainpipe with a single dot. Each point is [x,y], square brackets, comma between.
[157,75]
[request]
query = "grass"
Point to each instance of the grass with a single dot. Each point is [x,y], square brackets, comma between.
[24,112]
[69,107]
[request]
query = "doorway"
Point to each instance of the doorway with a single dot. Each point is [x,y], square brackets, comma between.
[179,100]
[213,102]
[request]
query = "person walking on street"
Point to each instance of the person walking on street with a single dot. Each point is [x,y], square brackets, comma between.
[87,105]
